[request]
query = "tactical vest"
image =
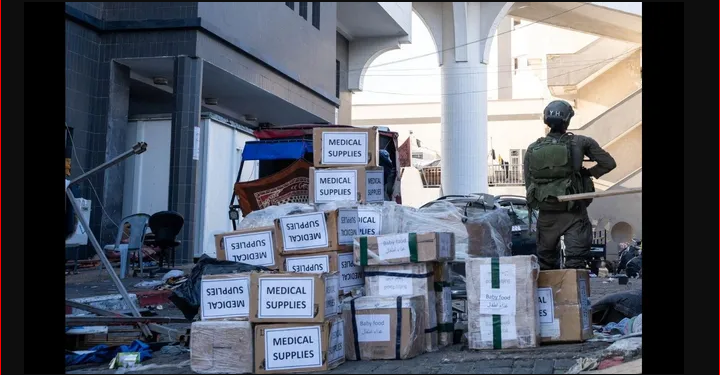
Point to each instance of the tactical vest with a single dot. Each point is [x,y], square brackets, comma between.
[551,171]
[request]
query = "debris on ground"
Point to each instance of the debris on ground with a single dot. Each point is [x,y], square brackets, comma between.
[620,352]
[104,353]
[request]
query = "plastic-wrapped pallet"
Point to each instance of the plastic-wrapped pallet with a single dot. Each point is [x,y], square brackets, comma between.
[502,302]
[221,347]
[443,303]
[406,280]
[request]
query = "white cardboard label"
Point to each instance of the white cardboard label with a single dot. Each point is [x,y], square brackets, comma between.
[499,301]
[347,225]
[445,245]
[293,348]
[394,286]
[344,148]
[508,329]
[375,186]
[551,330]
[286,297]
[373,327]
[225,298]
[584,304]
[305,231]
[251,248]
[393,246]
[335,185]
[370,222]
[546,307]
[350,274]
[336,348]
[308,264]
[332,295]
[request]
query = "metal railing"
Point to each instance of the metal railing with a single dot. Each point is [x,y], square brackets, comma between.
[498,175]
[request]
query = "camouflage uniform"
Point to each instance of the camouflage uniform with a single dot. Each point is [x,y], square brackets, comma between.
[556,219]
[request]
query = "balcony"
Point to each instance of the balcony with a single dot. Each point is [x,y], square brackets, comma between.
[374,19]
[498,175]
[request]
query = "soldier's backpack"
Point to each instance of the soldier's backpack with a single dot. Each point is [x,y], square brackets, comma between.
[551,172]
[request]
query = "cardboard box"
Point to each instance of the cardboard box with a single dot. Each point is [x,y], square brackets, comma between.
[443,303]
[257,246]
[283,348]
[293,297]
[502,302]
[351,275]
[315,232]
[312,263]
[403,248]
[371,331]
[407,280]
[221,347]
[563,306]
[335,147]
[347,184]
[225,297]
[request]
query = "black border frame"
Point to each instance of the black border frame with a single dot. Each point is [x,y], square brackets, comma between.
[665,297]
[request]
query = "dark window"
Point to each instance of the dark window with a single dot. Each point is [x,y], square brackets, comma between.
[303,10]
[291,5]
[337,77]
[316,15]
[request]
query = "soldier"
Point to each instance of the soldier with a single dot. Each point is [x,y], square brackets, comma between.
[553,167]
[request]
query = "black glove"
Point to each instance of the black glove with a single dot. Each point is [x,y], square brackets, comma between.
[585,172]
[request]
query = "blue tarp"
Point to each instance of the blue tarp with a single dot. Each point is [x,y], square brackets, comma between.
[104,354]
[276,150]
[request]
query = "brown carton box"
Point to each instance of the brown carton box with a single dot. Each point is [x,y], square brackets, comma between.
[283,348]
[563,306]
[403,248]
[315,232]
[221,347]
[502,302]
[293,297]
[335,147]
[225,297]
[372,324]
[347,184]
[312,263]
[351,275]
[407,280]
[257,246]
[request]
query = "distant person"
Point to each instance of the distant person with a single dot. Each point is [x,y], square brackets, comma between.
[553,167]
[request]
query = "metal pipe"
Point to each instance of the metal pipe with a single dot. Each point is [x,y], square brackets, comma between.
[139,148]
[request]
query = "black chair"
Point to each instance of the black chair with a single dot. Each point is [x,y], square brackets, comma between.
[166,225]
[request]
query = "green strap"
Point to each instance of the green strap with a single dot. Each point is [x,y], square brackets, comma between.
[412,242]
[497,327]
[363,251]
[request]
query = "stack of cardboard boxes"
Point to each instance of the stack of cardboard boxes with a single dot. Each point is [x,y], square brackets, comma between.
[399,268]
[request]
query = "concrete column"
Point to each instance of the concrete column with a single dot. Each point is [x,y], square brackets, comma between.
[464,127]
[115,144]
[187,94]
[505,60]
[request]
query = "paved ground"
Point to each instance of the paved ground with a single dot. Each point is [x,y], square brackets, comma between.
[550,359]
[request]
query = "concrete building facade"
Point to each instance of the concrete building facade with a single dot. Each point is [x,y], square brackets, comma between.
[254,64]
[529,65]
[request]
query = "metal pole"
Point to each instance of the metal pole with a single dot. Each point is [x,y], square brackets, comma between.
[137,149]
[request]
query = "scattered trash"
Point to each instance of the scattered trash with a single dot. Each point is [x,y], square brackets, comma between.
[153,366]
[172,274]
[150,284]
[174,350]
[103,353]
[125,360]
[615,307]
[159,307]
[609,362]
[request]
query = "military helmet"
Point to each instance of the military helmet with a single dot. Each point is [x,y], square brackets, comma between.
[558,110]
